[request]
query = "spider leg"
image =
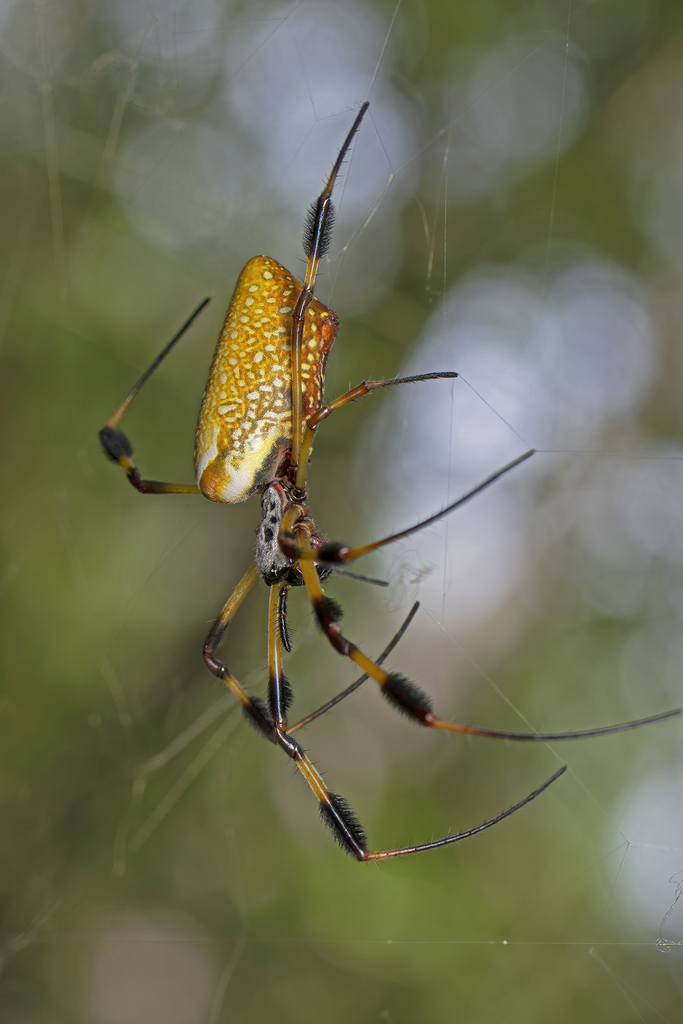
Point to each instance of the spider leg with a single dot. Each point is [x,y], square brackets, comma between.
[253,708]
[335,552]
[359,576]
[334,810]
[116,444]
[280,694]
[316,243]
[345,827]
[447,840]
[118,448]
[366,387]
[282,625]
[413,702]
[359,682]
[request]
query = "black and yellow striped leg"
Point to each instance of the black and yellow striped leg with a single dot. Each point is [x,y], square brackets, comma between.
[413,702]
[334,553]
[280,694]
[348,831]
[118,448]
[366,387]
[116,444]
[254,709]
[334,810]
[316,242]
[328,705]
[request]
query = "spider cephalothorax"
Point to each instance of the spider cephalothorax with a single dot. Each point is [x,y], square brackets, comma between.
[273,565]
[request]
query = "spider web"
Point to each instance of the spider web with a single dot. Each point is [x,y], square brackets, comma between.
[510,212]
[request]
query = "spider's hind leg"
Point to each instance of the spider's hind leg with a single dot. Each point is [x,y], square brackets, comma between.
[408,698]
[335,812]
[401,692]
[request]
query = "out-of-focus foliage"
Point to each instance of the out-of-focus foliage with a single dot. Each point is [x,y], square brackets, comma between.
[514,211]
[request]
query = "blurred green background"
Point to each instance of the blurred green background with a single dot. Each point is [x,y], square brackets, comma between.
[513,210]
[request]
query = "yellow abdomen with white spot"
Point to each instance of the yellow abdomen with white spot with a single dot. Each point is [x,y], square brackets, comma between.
[244,429]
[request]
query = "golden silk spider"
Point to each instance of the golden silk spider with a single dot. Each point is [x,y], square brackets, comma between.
[261,408]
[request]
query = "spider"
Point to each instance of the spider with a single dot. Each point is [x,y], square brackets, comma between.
[261,408]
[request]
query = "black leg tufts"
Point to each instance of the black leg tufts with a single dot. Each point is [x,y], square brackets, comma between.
[285,635]
[343,823]
[258,715]
[330,552]
[282,625]
[286,698]
[406,696]
[328,611]
[115,443]
[287,694]
[318,229]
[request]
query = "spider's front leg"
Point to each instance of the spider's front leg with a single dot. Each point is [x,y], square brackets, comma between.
[116,444]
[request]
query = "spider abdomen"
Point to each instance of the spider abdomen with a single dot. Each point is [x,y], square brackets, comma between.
[245,420]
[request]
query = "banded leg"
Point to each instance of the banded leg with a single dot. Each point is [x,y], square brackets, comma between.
[316,243]
[364,388]
[335,553]
[280,694]
[334,810]
[252,707]
[359,682]
[116,444]
[348,831]
[408,698]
